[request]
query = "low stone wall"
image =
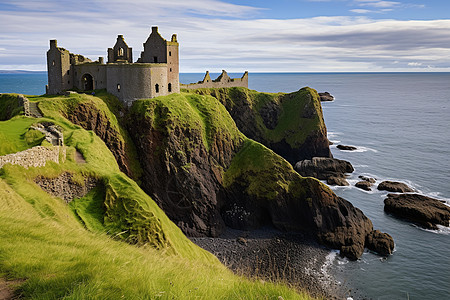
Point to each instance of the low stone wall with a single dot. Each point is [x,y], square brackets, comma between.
[34,157]
[223,81]
[65,187]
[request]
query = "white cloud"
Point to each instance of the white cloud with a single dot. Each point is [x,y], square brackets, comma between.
[414,64]
[361,11]
[232,43]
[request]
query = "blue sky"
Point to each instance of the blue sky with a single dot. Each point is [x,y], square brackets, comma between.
[258,36]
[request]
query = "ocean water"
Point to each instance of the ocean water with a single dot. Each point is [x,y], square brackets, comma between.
[400,123]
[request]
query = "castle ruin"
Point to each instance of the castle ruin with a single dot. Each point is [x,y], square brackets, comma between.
[155,73]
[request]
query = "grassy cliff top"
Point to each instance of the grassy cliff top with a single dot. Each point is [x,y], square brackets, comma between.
[115,242]
[297,114]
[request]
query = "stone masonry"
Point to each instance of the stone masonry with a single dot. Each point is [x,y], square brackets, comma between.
[220,82]
[34,157]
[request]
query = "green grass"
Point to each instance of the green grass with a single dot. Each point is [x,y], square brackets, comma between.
[263,173]
[58,107]
[64,260]
[14,136]
[293,126]
[9,106]
[115,242]
[190,112]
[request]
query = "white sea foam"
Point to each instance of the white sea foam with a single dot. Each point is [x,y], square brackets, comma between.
[441,229]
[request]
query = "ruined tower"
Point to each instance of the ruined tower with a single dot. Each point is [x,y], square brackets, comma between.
[58,67]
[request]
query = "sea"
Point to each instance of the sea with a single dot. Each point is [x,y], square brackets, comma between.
[400,124]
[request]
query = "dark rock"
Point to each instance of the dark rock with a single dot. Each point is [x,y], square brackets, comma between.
[422,210]
[365,185]
[368,179]
[330,169]
[395,187]
[326,96]
[337,180]
[202,188]
[379,242]
[348,148]
[88,116]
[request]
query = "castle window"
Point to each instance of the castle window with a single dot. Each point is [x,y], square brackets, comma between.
[53,63]
[170,53]
[170,87]
[170,69]
[120,52]
[68,82]
[155,59]
[68,72]
[118,87]
[157,88]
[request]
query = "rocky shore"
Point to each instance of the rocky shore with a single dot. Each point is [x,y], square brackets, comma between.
[272,255]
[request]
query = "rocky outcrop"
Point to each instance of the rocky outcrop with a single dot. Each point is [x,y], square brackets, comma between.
[183,155]
[88,116]
[395,187]
[290,124]
[65,187]
[424,211]
[364,185]
[346,148]
[379,242]
[368,179]
[205,174]
[330,169]
[325,96]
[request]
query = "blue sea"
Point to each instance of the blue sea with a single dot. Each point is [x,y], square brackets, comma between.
[400,123]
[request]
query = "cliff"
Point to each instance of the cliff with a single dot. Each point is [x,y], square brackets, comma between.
[111,240]
[197,172]
[290,124]
[206,174]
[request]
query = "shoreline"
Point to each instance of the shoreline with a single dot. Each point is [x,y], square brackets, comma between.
[294,259]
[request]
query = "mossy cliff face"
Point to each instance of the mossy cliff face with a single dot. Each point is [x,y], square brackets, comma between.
[291,124]
[264,188]
[185,142]
[204,174]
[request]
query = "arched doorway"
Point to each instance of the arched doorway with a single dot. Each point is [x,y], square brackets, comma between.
[87,82]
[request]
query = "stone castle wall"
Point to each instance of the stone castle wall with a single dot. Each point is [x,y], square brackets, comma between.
[34,157]
[222,81]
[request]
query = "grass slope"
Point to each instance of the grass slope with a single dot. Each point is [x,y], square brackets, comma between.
[77,251]
[295,121]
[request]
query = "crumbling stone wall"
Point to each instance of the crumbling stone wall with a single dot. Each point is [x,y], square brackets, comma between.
[65,187]
[220,82]
[34,157]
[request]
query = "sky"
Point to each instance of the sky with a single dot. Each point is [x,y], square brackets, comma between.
[253,35]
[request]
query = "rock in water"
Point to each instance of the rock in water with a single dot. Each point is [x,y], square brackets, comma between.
[330,169]
[369,179]
[364,185]
[326,97]
[348,148]
[381,243]
[337,180]
[395,187]
[422,210]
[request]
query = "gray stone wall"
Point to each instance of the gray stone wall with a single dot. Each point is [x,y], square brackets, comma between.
[222,81]
[155,50]
[129,82]
[173,65]
[95,69]
[58,67]
[120,52]
[34,157]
